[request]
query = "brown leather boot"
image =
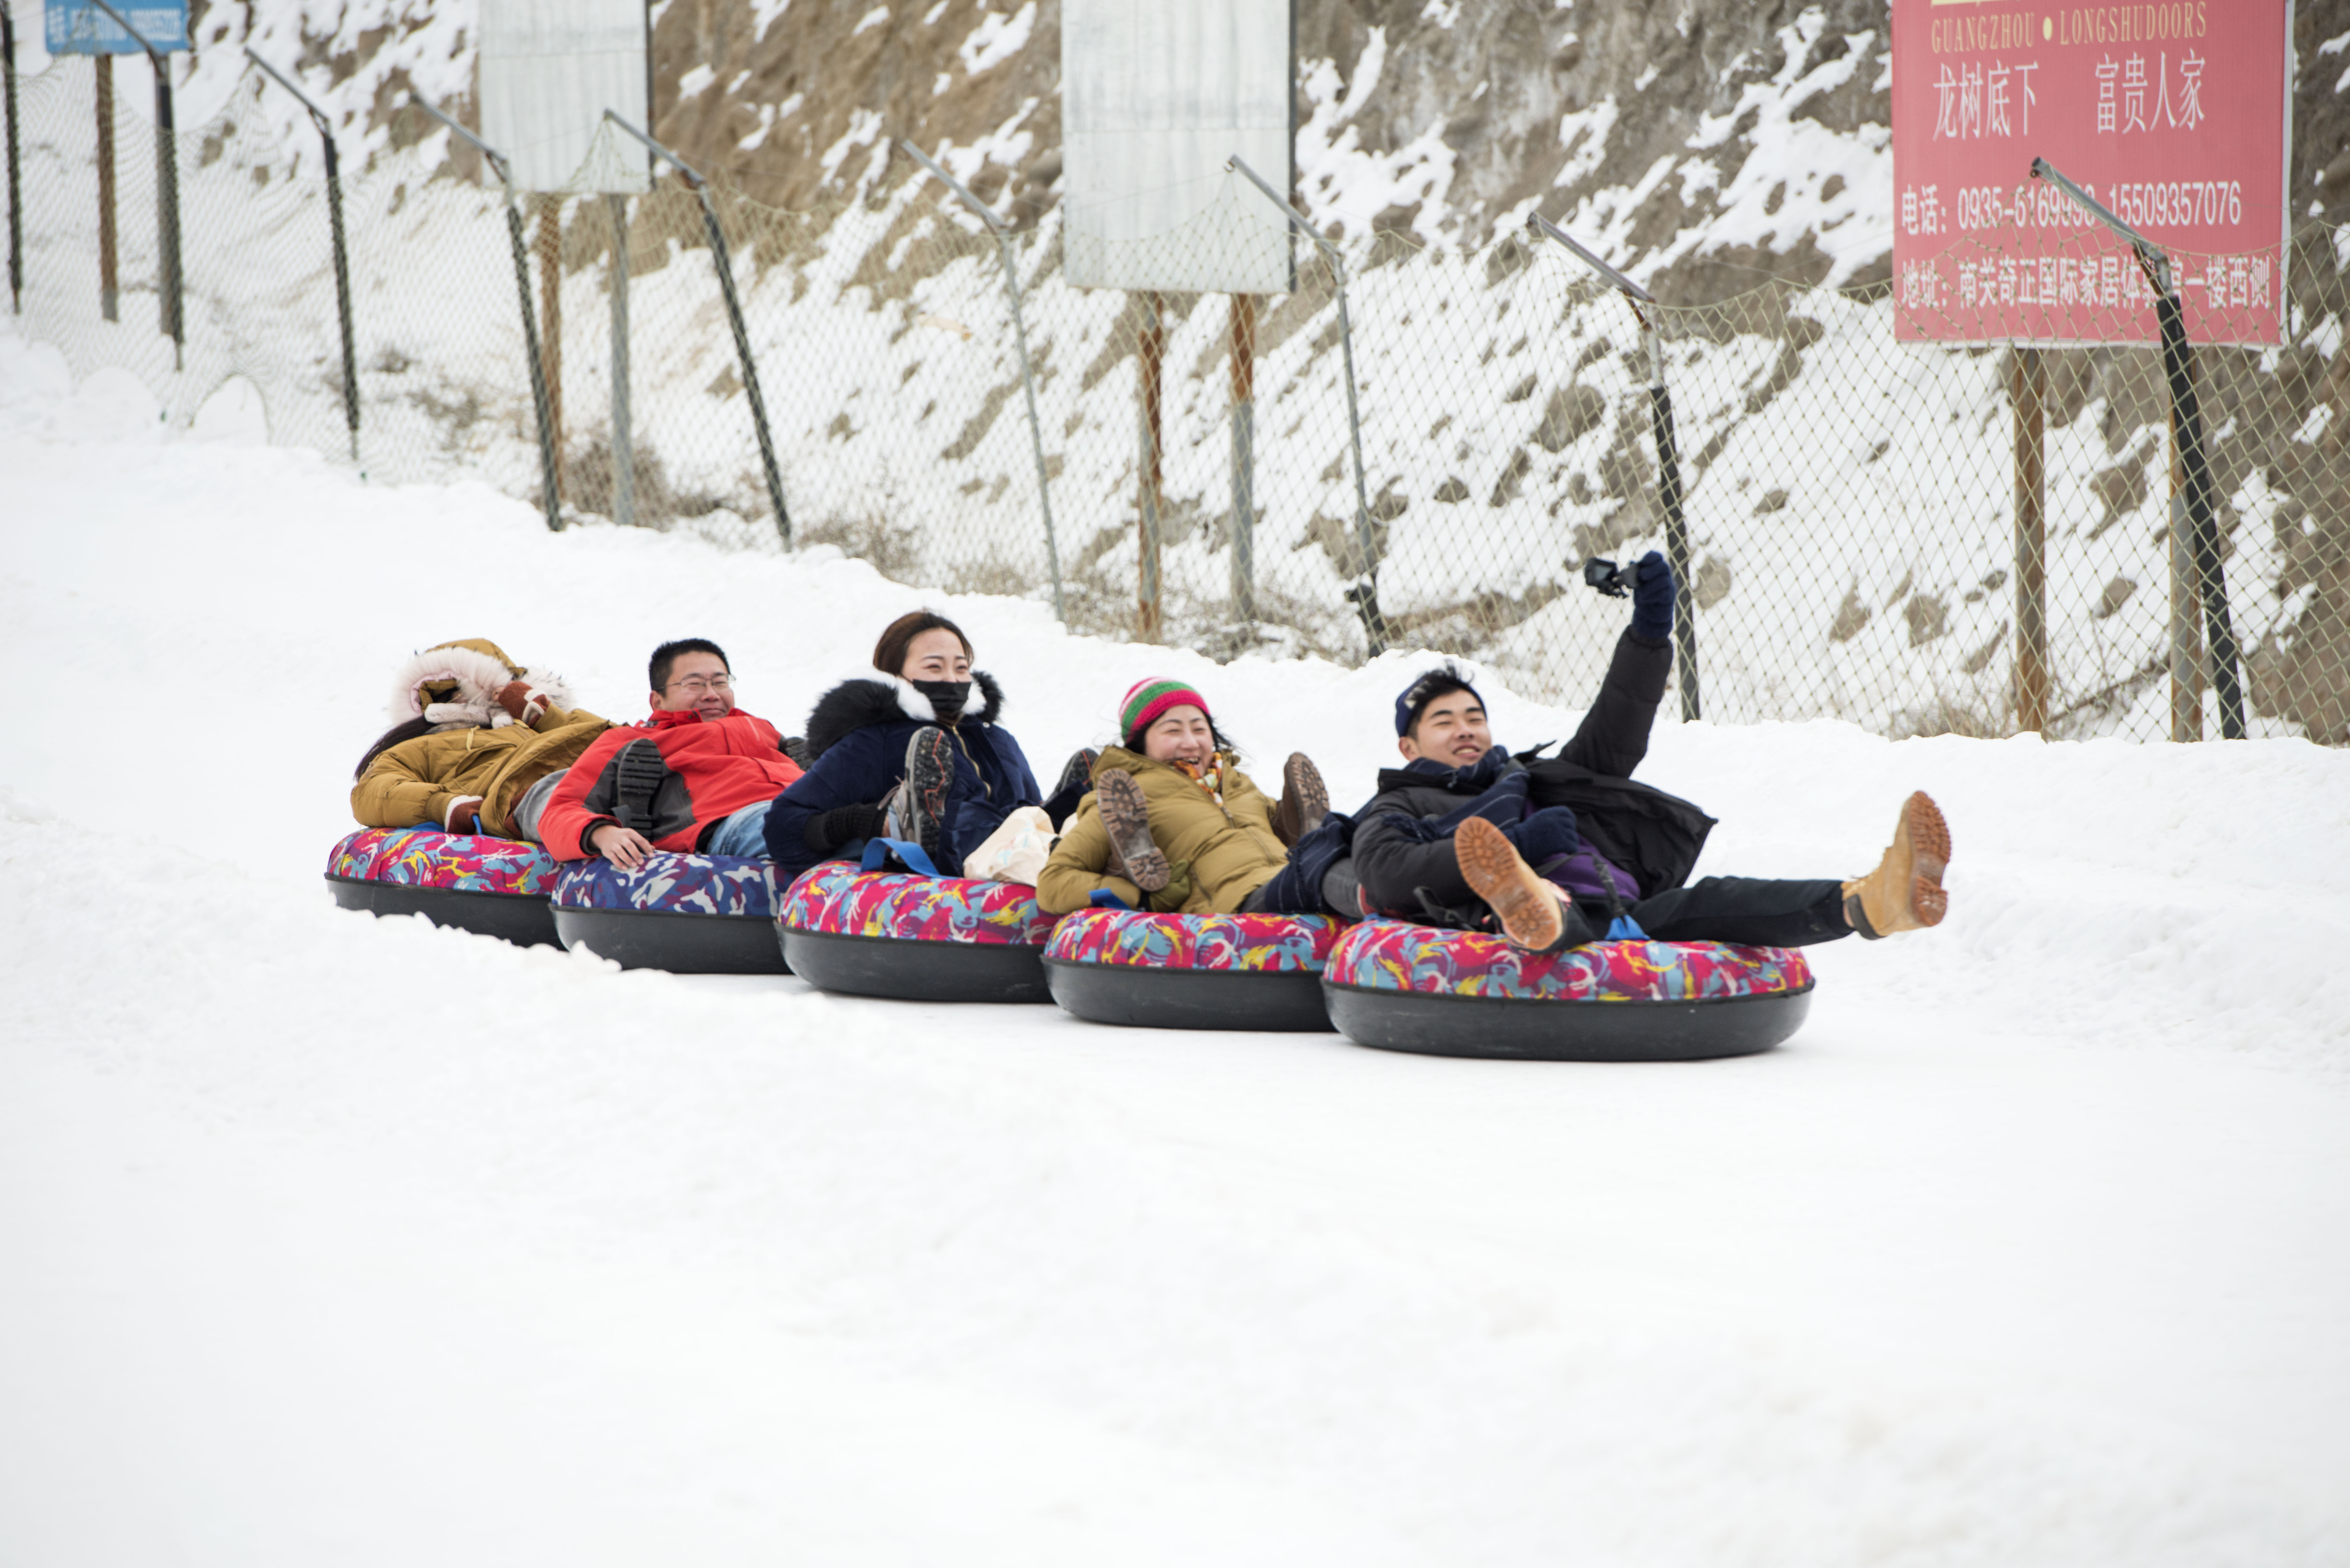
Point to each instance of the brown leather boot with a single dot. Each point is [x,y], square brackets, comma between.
[1304,799]
[1905,892]
[1532,912]
[1126,815]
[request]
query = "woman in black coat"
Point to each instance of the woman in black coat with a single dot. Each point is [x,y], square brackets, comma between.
[905,757]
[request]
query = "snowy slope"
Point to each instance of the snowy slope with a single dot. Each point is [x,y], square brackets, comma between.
[337,1239]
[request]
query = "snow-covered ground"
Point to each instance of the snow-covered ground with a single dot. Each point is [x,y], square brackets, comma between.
[330,1240]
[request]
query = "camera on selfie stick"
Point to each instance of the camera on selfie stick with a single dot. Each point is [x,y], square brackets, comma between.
[1604,576]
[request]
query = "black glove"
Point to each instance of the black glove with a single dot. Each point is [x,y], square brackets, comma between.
[1652,599]
[829,830]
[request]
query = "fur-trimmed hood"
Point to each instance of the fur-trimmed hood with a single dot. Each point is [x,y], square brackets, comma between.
[455,686]
[853,705]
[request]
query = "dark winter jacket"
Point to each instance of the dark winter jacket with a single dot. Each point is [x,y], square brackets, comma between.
[718,767]
[857,737]
[1403,838]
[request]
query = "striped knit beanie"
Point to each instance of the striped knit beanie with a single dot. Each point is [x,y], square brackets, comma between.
[1149,699]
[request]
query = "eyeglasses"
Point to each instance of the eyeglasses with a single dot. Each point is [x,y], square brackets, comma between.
[698,684]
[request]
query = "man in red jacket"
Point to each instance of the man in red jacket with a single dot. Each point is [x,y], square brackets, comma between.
[700,782]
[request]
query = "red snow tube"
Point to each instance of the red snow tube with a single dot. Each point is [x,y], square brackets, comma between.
[497,887]
[916,938]
[1192,971]
[1403,987]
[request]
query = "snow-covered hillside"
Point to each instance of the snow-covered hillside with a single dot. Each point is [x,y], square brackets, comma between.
[334,1239]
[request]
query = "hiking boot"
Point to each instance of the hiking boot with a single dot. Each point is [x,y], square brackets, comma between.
[922,798]
[1532,912]
[638,774]
[1905,892]
[1305,800]
[1126,816]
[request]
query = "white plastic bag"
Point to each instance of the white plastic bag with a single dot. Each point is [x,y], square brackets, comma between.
[1016,851]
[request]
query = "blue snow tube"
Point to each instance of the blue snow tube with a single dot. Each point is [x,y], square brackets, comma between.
[688,914]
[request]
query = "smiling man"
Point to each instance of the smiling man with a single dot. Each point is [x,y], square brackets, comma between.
[1553,851]
[700,781]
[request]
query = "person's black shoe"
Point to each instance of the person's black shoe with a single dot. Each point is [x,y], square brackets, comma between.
[640,773]
[1078,771]
[922,800]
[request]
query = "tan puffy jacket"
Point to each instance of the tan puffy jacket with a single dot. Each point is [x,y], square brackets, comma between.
[414,782]
[1230,849]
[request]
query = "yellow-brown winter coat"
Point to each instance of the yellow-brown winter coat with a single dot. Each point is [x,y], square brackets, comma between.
[414,782]
[1231,850]
[474,747]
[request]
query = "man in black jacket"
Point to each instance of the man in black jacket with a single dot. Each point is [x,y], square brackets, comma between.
[1559,850]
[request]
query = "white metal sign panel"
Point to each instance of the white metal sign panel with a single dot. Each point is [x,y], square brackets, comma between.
[549,69]
[1157,96]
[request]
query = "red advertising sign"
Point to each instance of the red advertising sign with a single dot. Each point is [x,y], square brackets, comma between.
[2174,115]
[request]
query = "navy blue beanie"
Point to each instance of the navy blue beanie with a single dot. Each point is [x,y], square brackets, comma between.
[1426,687]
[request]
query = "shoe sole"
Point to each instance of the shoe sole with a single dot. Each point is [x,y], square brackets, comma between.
[930,770]
[639,779]
[1928,837]
[1301,783]
[1527,907]
[1126,817]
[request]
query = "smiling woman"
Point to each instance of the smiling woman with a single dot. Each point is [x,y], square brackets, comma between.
[1175,826]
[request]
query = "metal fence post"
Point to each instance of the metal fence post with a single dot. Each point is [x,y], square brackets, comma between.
[549,497]
[1151,364]
[167,192]
[2186,642]
[1027,375]
[2029,395]
[342,258]
[1244,397]
[724,260]
[110,250]
[2194,464]
[624,452]
[1669,460]
[1363,592]
[16,176]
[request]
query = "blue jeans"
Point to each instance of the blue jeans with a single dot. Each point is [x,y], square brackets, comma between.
[743,834]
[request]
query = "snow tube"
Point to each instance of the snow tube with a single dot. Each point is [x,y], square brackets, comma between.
[497,887]
[688,914]
[917,939]
[1403,987]
[1192,971]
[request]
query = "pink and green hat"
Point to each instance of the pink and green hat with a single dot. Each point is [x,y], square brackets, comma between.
[1148,699]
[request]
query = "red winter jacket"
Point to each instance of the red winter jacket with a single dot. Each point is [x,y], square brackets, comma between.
[718,767]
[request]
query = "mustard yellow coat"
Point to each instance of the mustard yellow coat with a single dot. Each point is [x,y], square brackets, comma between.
[414,782]
[1230,849]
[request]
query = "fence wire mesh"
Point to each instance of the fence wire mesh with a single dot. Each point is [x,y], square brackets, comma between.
[1851,501]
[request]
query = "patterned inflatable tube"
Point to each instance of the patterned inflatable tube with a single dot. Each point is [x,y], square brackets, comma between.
[497,887]
[915,939]
[688,914]
[1404,986]
[1192,971]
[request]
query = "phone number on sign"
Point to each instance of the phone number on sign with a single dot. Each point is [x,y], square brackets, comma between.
[2209,203]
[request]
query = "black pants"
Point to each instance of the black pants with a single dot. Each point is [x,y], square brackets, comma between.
[1753,911]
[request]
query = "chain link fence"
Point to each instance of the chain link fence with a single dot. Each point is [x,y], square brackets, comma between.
[1851,502]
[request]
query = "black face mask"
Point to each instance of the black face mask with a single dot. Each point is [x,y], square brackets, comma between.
[947,696]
